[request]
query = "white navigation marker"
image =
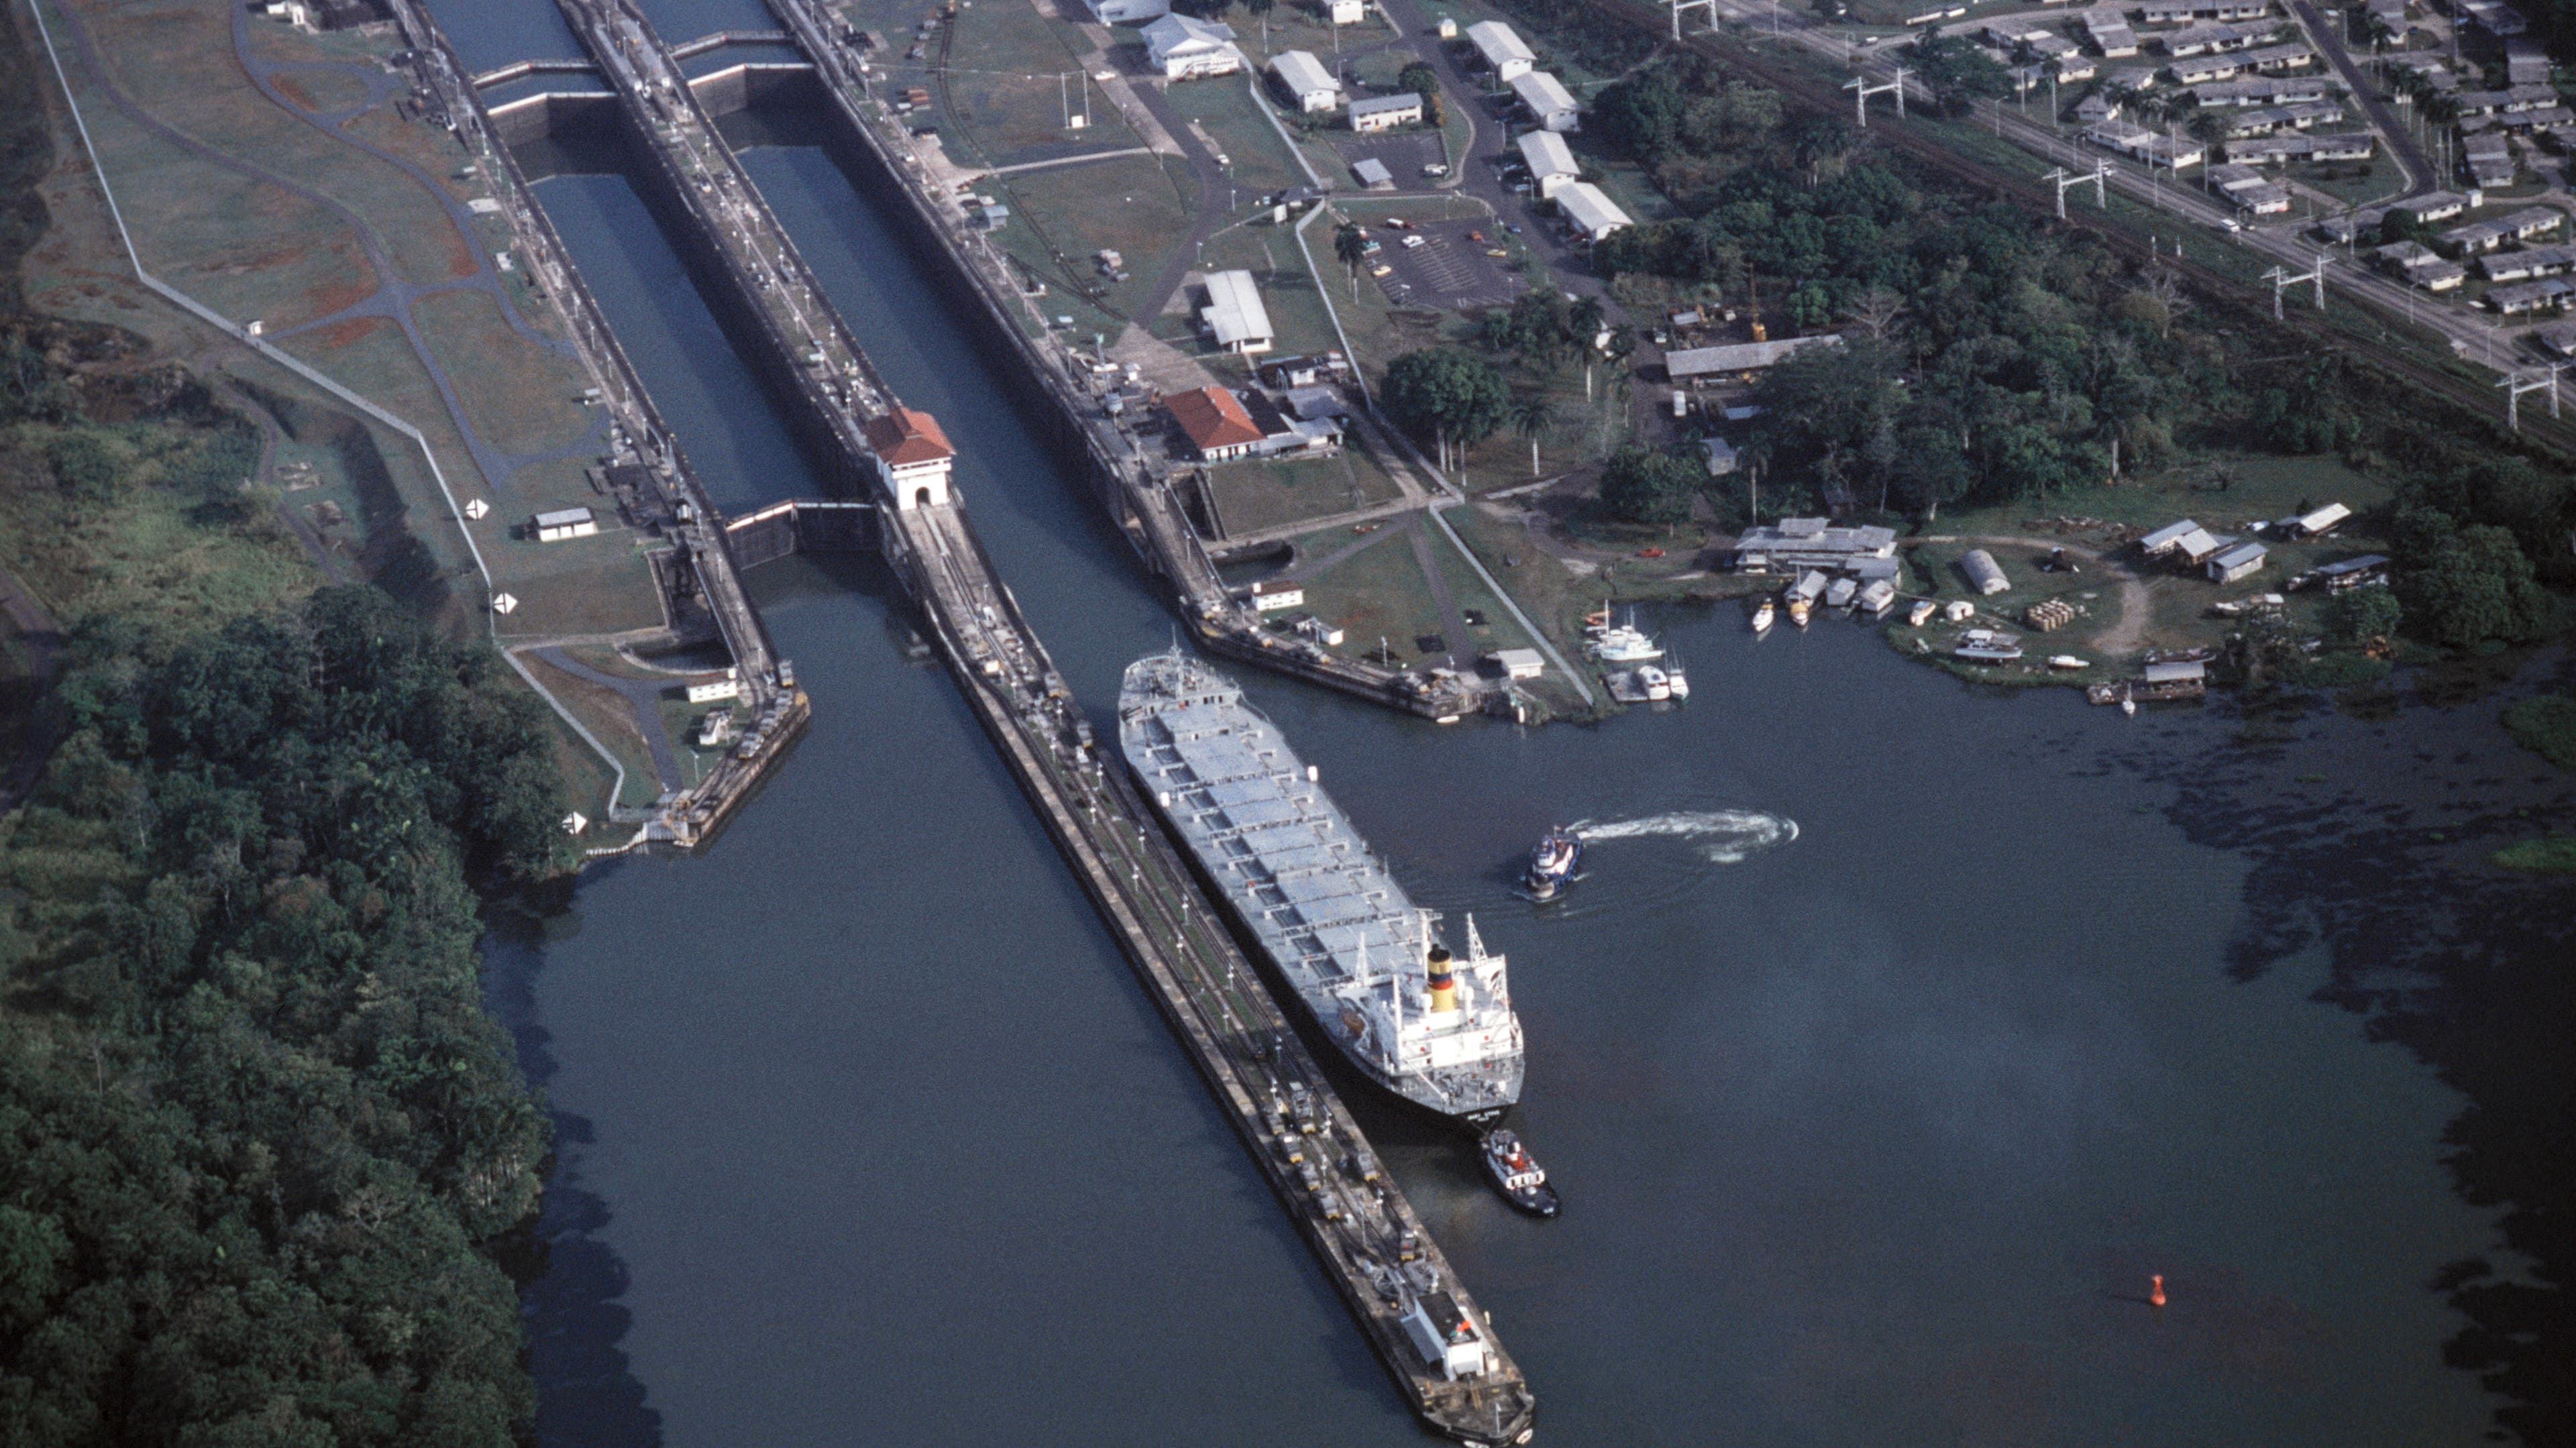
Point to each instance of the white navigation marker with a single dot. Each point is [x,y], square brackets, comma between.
[478,509]
[503,603]
[575,822]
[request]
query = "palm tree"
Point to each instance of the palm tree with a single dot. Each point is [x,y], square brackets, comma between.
[1531,417]
[1351,246]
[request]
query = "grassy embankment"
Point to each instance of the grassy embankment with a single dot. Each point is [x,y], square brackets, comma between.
[252,248]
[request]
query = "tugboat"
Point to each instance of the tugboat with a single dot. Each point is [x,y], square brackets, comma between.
[1518,1176]
[1552,862]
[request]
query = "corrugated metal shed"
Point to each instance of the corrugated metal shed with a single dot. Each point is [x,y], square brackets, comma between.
[1984,574]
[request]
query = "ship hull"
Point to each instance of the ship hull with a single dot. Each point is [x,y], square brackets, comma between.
[1330,929]
[1403,1091]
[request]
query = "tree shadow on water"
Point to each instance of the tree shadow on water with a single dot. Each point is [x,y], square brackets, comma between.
[572,1284]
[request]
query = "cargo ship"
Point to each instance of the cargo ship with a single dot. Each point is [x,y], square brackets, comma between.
[1363,962]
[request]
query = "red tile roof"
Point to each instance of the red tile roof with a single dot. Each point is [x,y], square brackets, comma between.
[1213,419]
[908,435]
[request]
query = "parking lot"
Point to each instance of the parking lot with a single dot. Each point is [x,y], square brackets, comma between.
[1404,152]
[1448,269]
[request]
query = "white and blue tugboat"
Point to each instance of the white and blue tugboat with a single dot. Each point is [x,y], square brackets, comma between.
[1516,1174]
[1552,863]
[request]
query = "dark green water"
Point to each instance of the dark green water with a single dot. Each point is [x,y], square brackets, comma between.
[1869,1135]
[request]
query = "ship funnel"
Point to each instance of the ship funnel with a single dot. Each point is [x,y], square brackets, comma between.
[1444,984]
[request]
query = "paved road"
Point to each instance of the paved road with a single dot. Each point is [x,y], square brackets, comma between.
[2420,175]
[1213,185]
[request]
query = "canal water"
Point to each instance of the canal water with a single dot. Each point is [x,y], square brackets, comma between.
[1900,1033]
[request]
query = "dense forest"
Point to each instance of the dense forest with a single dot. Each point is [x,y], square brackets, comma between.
[256,1131]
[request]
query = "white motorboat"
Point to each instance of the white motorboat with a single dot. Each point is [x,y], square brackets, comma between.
[1674,678]
[1764,616]
[1625,643]
[1654,683]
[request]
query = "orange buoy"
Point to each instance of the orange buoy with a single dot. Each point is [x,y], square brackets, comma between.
[2156,1290]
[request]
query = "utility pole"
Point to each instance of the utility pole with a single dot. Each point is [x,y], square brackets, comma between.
[2515,385]
[2281,278]
[2065,178]
[1678,6]
[1862,90]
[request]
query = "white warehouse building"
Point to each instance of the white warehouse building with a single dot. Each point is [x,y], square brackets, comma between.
[1549,102]
[1593,215]
[1504,52]
[1550,161]
[1234,314]
[1306,81]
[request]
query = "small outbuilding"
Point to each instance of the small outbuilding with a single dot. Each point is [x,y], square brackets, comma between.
[565,523]
[2314,525]
[2162,540]
[1372,174]
[2235,562]
[1983,573]
[2354,572]
[2196,547]
[1518,663]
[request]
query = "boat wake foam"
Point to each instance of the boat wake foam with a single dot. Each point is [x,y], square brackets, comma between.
[1724,836]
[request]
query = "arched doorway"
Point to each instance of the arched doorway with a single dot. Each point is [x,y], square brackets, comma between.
[921,497]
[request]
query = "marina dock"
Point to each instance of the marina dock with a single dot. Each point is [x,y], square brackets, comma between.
[1364,1233]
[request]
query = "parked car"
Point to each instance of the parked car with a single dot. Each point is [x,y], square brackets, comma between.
[1411,242]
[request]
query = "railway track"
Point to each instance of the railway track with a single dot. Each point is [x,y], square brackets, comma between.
[1905,136]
